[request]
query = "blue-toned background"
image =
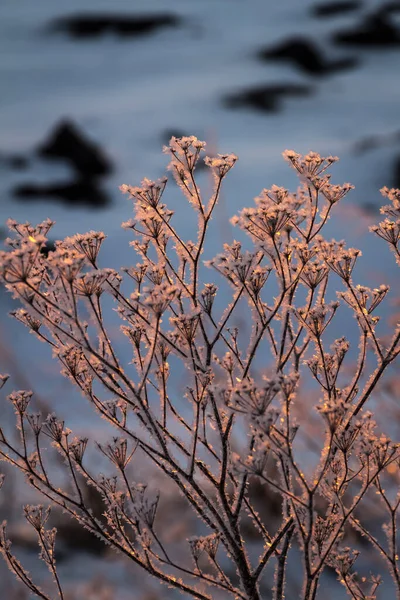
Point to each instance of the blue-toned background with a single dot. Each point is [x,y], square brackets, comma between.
[250,77]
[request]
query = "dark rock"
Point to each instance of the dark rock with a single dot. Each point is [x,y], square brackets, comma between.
[14,161]
[266,98]
[306,56]
[375,30]
[331,9]
[370,208]
[18,162]
[24,537]
[48,247]
[389,8]
[370,142]
[178,133]
[167,134]
[91,25]
[71,533]
[396,178]
[268,505]
[81,192]
[68,143]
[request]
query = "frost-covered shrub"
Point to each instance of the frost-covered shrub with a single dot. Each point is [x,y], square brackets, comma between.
[248,396]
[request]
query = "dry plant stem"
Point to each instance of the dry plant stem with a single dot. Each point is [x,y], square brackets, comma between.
[52,567]
[281,566]
[61,499]
[190,439]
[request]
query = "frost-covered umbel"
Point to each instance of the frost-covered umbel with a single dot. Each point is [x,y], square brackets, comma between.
[246,411]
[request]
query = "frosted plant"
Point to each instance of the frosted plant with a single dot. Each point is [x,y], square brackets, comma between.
[247,413]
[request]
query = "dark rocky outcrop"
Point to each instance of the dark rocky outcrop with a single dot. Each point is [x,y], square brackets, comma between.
[396,175]
[266,98]
[373,141]
[18,162]
[167,134]
[49,246]
[67,142]
[81,192]
[389,8]
[178,133]
[90,25]
[72,535]
[332,9]
[376,30]
[89,164]
[307,57]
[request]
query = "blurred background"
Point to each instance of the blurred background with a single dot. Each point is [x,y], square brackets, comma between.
[92,89]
